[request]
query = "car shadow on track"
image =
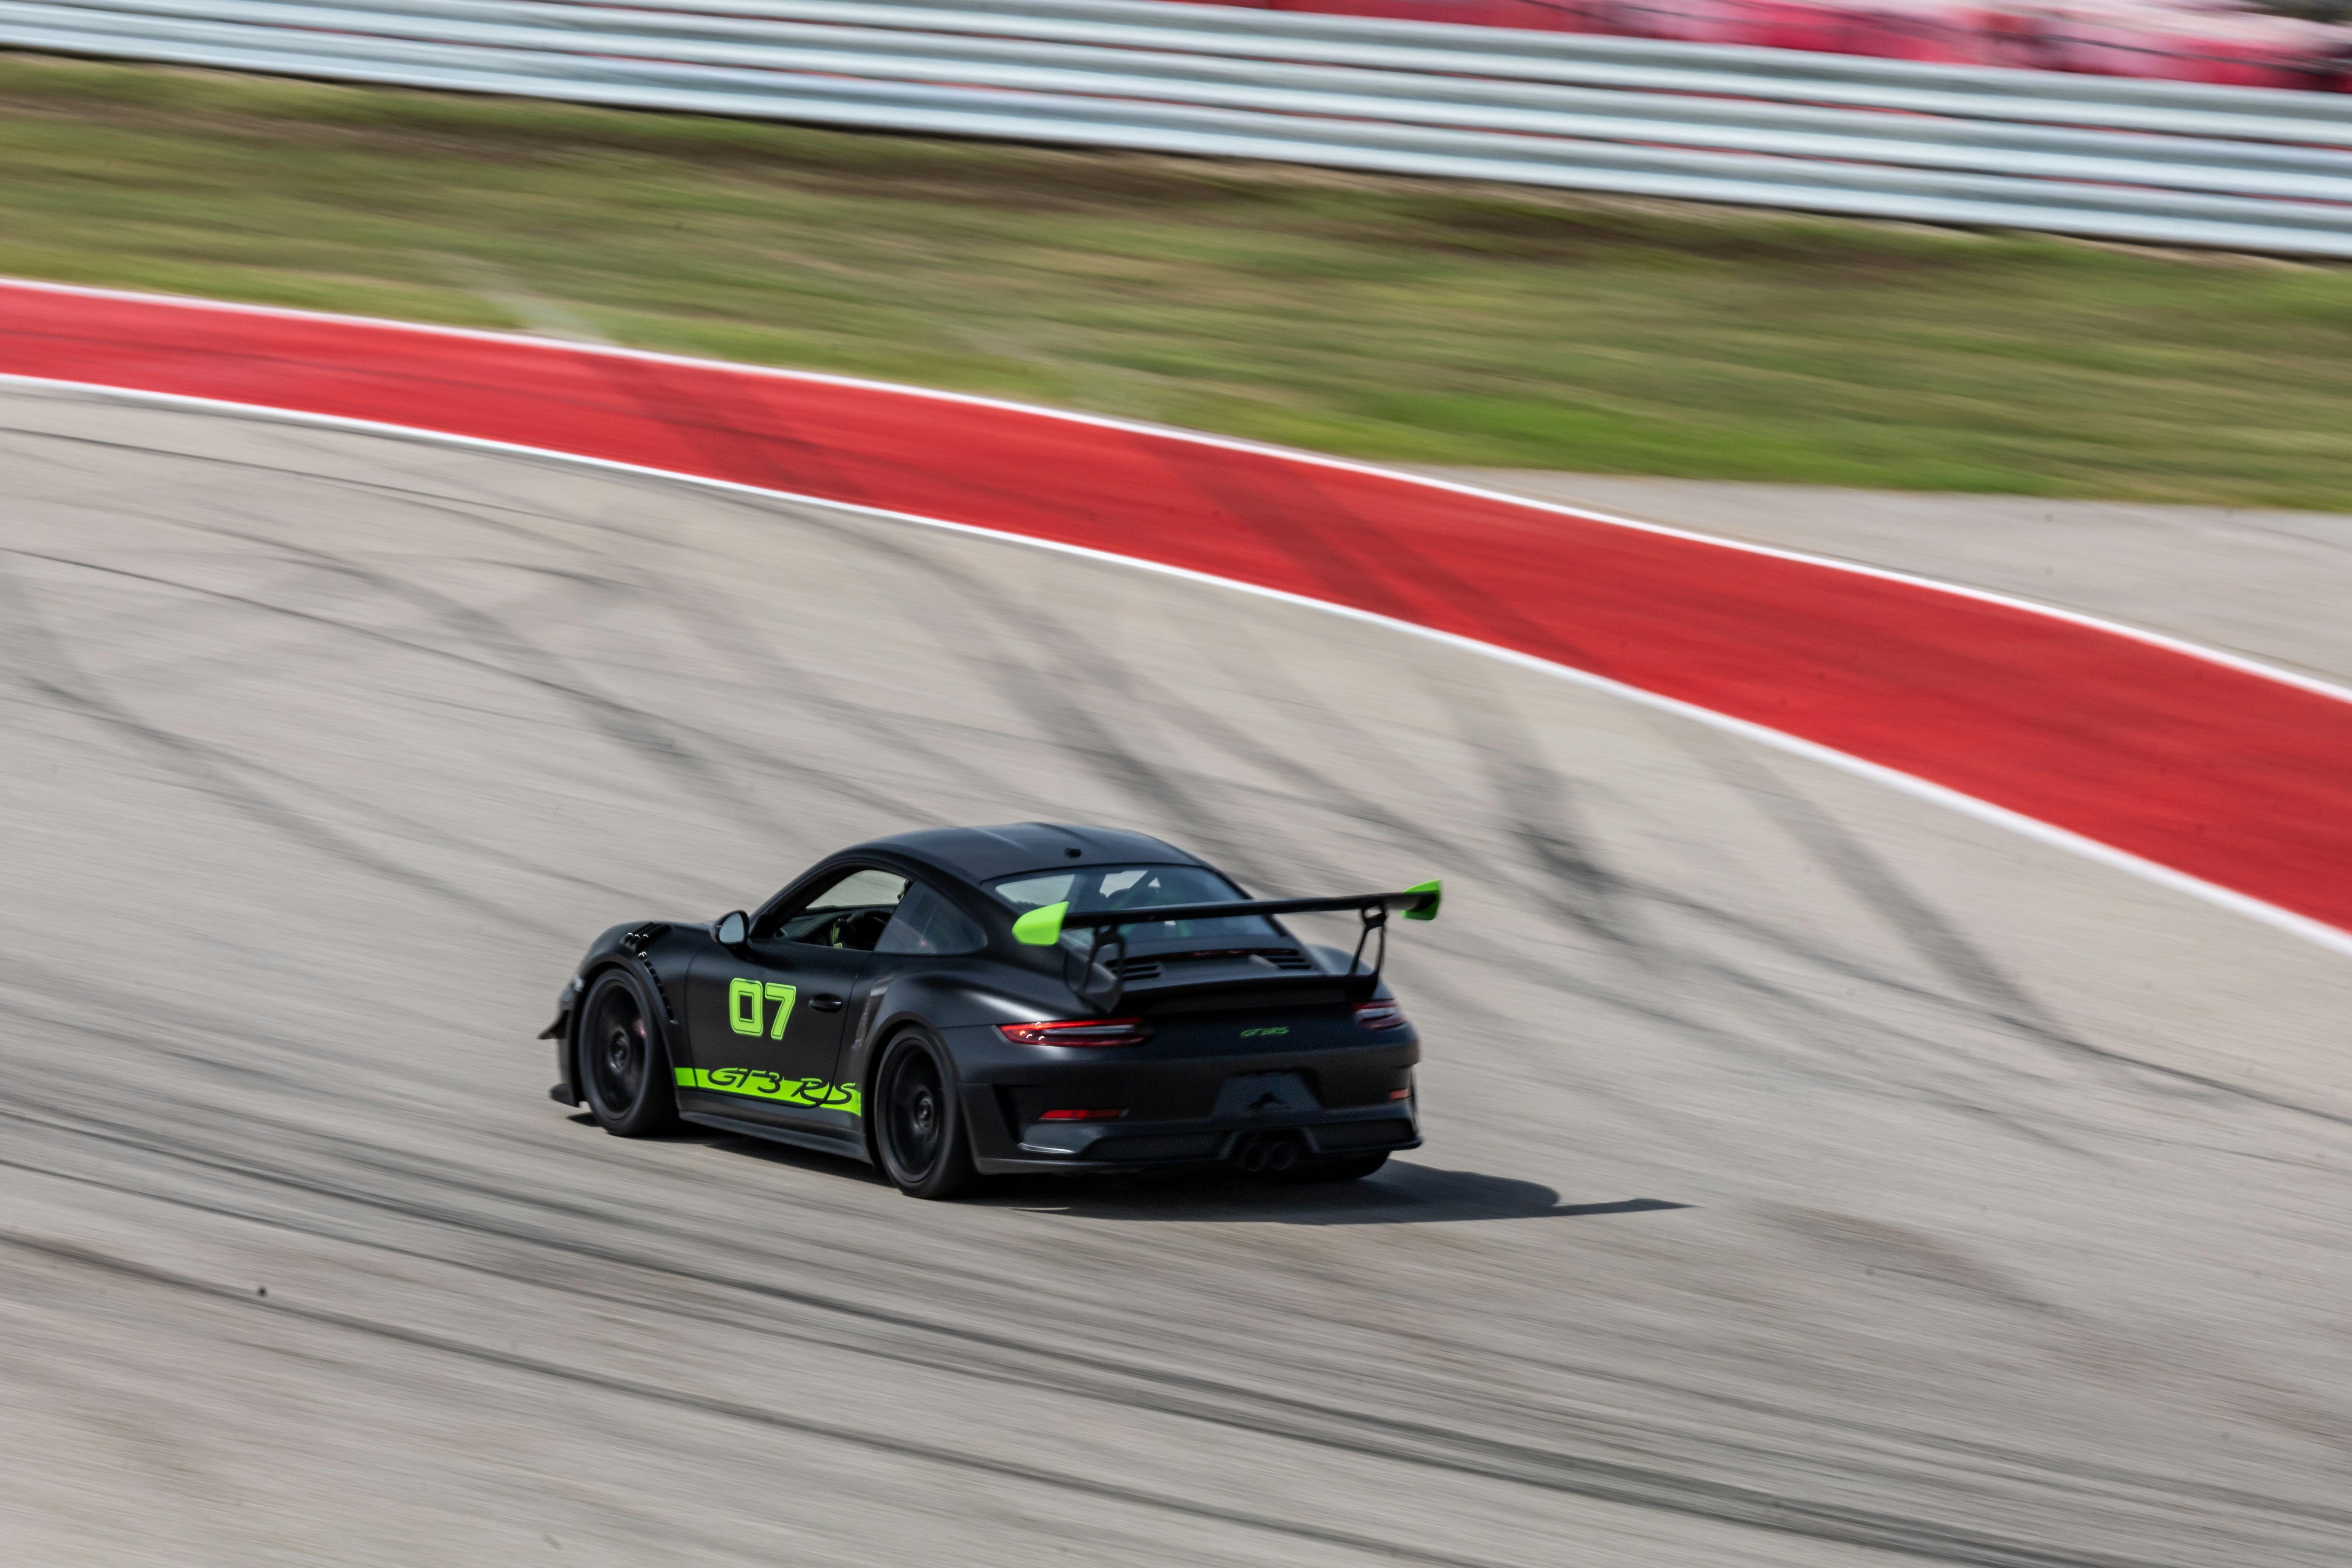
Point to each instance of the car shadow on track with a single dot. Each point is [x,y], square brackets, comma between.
[1401,1194]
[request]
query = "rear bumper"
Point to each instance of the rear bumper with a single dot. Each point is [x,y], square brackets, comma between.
[1118,1146]
[1175,1095]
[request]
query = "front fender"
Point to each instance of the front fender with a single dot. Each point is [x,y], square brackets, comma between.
[656,952]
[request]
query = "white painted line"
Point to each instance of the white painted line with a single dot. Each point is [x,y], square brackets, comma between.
[2270,915]
[1232,444]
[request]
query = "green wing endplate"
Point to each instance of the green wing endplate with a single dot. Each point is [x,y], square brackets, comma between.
[1426,909]
[1041,927]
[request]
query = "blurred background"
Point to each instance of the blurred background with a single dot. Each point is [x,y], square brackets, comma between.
[1816,1172]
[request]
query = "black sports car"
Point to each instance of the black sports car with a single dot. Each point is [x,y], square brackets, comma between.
[1036,997]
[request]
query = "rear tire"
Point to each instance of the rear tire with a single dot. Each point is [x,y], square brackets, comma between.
[624,1072]
[1349,1170]
[919,1131]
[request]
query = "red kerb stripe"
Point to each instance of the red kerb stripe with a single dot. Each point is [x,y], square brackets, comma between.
[2222,774]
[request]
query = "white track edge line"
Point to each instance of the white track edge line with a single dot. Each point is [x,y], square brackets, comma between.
[2310,930]
[2239,662]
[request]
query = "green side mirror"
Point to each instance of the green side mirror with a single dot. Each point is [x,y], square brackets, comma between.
[1041,927]
[1427,909]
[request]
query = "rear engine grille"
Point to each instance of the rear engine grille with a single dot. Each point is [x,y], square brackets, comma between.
[1246,998]
[1167,1146]
[1153,968]
[1384,1133]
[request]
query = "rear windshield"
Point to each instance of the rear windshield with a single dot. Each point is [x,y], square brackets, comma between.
[1093,888]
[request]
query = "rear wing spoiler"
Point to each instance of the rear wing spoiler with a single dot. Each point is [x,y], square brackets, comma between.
[1043,927]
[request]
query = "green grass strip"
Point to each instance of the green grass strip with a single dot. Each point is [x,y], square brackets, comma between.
[1381,319]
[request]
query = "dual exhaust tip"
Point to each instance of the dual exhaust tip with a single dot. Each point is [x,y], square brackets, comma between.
[1261,1154]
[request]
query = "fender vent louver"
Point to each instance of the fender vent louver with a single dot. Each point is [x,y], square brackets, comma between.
[635,945]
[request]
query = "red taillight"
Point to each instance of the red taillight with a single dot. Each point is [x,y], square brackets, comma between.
[1077,1032]
[1379,1016]
[1081,1115]
[1399,1094]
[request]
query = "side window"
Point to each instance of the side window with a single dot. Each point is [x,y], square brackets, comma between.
[850,912]
[927,925]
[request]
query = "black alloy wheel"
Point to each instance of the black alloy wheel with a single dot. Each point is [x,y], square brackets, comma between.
[624,1071]
[918,1128]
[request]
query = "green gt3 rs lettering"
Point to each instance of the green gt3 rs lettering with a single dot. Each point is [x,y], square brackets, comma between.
[749,1012]
[1250,1033]
[760,1084]
[744,1003]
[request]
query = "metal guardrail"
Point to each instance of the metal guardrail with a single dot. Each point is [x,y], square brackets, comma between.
[2161,163]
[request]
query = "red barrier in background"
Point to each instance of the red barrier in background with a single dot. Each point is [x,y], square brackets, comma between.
[2226,774]
[2211,41]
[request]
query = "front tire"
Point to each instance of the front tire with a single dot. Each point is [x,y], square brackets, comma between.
[624,1071]
[919,1131]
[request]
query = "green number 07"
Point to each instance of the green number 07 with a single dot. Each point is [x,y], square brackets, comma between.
[744,1009]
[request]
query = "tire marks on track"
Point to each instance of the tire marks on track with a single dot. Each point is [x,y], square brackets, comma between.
[1947,1278]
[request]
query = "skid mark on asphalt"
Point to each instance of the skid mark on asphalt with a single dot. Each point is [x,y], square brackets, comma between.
[1746,987]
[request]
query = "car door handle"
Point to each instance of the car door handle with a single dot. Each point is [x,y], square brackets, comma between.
[826,1002]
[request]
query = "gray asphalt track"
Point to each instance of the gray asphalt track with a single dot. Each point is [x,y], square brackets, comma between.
[1815,1177]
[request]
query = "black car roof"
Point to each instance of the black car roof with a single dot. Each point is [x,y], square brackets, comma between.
[984,854]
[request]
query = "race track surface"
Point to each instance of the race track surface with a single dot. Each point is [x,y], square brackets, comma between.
[2239,778]
[1815,1177]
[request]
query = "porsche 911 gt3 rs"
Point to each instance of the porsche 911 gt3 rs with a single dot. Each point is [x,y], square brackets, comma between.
[989,1000]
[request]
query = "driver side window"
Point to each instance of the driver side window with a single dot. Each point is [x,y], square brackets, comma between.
[850,912]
